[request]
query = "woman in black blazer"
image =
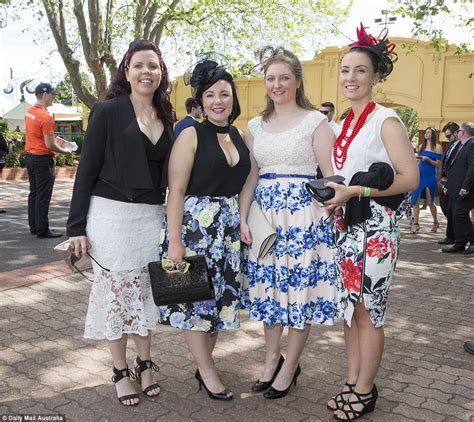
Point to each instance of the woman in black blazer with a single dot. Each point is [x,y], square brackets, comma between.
[117,210]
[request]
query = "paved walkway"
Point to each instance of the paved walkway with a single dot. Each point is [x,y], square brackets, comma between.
[46,367]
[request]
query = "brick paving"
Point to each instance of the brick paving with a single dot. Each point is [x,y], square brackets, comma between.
[46,367]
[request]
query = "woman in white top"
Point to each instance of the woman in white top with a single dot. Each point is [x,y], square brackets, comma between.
[367,251]
[293,285]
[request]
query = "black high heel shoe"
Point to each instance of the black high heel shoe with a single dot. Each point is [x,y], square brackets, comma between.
[116,377]
[141,366]
[223,395]
[367,400]
[273,393]
[340,398]
[265,385]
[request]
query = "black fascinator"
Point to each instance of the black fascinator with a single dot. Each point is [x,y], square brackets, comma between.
[209,65]
[206,72]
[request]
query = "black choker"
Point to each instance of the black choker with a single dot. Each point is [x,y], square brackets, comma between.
[218,129]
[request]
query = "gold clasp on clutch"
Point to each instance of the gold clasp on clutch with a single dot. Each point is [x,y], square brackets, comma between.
[174,267]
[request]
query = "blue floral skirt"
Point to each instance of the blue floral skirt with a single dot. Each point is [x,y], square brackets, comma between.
[294,284]
[211,227]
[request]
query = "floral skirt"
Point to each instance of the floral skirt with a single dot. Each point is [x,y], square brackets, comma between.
[124,238]
[211,227]
[294,284]
[366,259]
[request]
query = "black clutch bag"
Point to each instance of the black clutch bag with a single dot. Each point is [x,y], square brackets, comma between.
[323,193]
[184,282]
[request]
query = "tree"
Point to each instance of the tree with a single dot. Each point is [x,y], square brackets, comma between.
[409,117]
[98,31]
[428,20]
[65,93]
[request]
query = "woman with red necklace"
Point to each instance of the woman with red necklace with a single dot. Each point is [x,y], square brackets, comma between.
[371,137]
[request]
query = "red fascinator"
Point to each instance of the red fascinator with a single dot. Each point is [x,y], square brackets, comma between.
[380,46]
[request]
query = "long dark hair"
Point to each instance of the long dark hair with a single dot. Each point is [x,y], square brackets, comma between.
[433,141]
[120,85]
[205,74]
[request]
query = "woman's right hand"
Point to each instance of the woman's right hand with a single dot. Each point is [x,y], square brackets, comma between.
[245,233]
[176,251]
[79,245]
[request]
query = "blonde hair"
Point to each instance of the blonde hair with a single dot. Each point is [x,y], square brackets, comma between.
[281,55]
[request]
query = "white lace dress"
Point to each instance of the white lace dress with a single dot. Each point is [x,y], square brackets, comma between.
[294,284]
[124,238]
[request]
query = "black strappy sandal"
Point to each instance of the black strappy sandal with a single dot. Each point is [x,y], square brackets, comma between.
[367,400]
[143,365]
[339,398]
[117,376]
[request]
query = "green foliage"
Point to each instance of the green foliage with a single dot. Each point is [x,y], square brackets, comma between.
[3,126]
[70,159]
[15,158]
[65,160]
[409,117]
[79,140]
[428,19]
[99,35]
[64,89]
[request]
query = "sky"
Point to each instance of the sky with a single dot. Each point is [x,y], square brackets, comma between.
[23,59]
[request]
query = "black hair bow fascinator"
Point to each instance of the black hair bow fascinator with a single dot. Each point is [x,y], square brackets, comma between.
[205,69]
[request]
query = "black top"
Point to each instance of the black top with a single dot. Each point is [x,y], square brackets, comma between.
[114,161]
[156,156]
[211,174]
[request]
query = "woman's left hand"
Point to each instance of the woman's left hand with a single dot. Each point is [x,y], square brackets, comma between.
[343,194]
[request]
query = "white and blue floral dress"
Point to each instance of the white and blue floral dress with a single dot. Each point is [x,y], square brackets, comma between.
[294,284]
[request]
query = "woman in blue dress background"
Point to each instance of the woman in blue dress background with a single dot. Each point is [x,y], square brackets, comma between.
[429,156]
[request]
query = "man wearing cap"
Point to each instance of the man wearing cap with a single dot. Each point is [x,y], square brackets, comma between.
[40,147]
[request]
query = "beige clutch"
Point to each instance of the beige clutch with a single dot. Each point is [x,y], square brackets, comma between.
[75,264]
[263,234]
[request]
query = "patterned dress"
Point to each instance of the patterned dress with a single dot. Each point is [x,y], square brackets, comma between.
[294,284]
[211,227]
[367,252]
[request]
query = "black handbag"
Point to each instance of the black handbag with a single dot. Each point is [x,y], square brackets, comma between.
[323,193]
[194,284]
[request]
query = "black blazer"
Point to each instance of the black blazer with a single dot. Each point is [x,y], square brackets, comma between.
[460,171]
[112,152]
[446,161]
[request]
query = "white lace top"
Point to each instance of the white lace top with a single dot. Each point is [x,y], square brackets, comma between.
[287,152]
[367,147]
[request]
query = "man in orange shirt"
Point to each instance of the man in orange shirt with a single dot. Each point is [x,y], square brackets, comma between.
[40,147]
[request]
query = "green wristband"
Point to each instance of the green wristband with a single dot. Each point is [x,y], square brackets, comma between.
[366,192]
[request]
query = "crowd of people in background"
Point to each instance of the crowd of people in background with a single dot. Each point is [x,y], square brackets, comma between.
[451,175]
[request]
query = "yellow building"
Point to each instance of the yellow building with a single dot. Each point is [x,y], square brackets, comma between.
[434,83]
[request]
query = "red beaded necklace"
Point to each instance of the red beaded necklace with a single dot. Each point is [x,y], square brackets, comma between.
[340,151]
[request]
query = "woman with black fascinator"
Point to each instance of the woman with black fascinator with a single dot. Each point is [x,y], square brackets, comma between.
[117,210]
[208,166]
[373,153]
